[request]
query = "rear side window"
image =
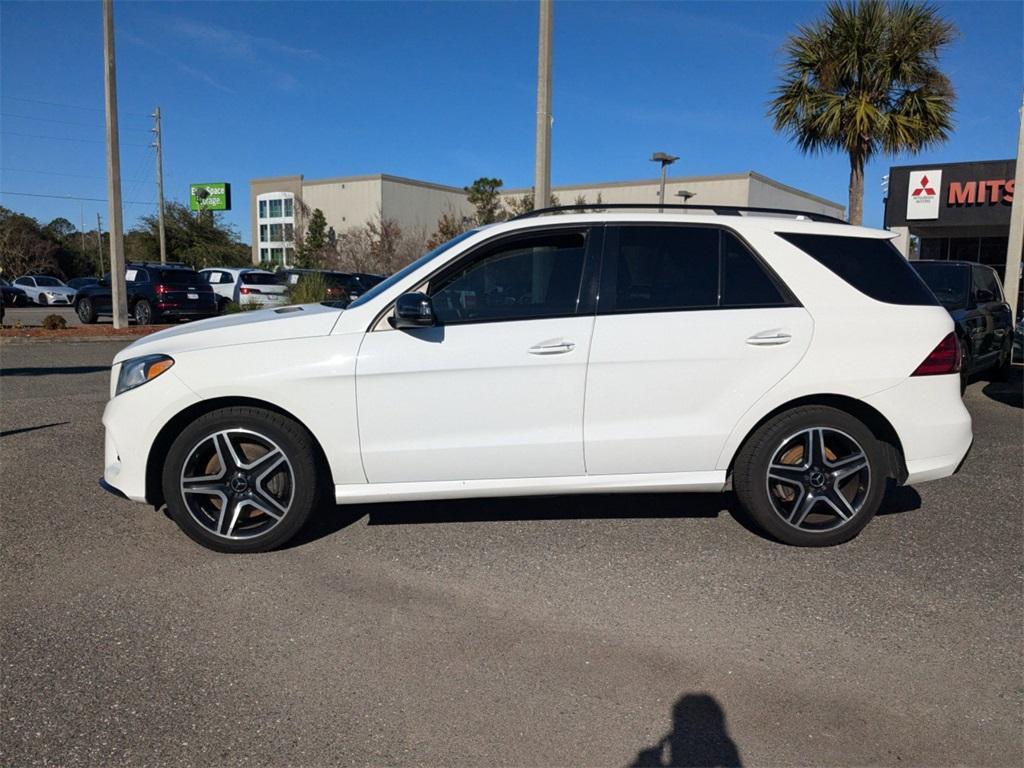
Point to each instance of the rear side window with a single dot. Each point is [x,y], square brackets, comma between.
[872,266]
[674,268]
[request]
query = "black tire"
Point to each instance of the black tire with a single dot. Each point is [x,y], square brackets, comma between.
[769,501]
[143,312]
[41,300]
[86,311]
[256,532]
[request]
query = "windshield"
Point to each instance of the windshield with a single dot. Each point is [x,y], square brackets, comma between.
[382,286]
[947,281]
[51,282]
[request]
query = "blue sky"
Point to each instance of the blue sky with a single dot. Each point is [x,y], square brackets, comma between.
[438,91]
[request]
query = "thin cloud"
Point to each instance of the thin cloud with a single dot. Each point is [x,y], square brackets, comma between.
[234,43]
[196,74]
[202,76]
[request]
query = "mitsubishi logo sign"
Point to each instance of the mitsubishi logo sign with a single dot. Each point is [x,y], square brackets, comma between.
[923,197]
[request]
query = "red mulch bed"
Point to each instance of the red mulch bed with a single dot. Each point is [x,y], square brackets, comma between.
[79,332]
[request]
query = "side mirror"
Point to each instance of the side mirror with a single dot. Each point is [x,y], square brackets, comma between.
[984,296]
[413,310]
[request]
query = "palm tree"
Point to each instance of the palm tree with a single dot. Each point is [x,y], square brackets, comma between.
[863,80]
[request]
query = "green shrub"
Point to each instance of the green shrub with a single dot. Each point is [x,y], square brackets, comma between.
[310,289]
[54,323]
[245,306]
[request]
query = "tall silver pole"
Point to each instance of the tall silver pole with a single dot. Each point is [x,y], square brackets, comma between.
[159,144]
[1015,243]
[661,194]
[99,242]
[118,298]
[542,162]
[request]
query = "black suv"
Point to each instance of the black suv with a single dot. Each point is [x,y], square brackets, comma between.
[973,295]
[156,292]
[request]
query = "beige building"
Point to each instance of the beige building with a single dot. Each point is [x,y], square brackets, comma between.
[349,201]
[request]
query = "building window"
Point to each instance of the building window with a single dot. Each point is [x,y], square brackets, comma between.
[287,206]
[264,255]
[263,209]
[275,209]
[289,255]
[289,232]
[276,254]
[263,233]
[276,233]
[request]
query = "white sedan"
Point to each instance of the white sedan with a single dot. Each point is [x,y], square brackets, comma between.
[246,286]
[44,290]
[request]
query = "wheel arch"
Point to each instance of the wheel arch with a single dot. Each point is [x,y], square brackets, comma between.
[871,417]
[165,438]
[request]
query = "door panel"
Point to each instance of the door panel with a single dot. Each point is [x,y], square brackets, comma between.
[473,401]
[664,390]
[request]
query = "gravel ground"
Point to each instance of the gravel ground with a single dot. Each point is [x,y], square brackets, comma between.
[600,630]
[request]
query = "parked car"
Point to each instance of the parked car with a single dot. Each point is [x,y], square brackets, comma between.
[156,293]
[341,286]
[13,296]
[973,296]
[80,282]
[246,286]
[45,290]
[1018,343]
[800,361]
[367,281]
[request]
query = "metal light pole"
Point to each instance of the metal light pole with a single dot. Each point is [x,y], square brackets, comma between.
[666,160]
[1015,243]
[542,160]
[159,144]
[117,285]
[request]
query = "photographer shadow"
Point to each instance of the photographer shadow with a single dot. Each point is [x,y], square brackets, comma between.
[699,737]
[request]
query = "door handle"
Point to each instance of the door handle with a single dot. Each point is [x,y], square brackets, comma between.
[769,339]
[547,348]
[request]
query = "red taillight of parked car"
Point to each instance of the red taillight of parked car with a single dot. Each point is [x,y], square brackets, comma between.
[945,358]
[161,288]
[246,291]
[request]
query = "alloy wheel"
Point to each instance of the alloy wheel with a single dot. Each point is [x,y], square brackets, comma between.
[237,484]
[818,479]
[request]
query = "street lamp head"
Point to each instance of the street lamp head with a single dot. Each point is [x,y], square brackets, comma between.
[685,194]
[663,158]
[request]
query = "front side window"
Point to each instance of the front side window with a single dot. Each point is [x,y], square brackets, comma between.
[949,282]
[275,209]
[985,280]
[527,277]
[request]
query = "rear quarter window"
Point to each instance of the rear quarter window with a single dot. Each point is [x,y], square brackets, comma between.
[872,266]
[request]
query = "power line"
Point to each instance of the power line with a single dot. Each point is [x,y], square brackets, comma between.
[65,138]
[74,197]
[62,122]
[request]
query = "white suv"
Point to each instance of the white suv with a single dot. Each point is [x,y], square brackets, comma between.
[802,362]
[246,286]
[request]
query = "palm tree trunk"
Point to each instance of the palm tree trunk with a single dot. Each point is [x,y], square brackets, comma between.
[855,210]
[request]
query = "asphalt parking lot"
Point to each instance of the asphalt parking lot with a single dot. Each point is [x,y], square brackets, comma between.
[589,630]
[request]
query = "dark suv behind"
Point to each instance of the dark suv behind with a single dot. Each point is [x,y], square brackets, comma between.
[156,293]
[973,295]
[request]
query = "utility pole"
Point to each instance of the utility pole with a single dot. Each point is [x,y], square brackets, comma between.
[81,226]
[159,144]
[99,242]
[1015,243]
[119,300]
[542,161]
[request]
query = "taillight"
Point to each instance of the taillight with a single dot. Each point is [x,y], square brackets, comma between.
[160,288]
[945,358]
[246,291]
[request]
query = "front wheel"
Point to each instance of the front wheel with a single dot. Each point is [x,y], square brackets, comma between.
[41,300]
[811,477]
[241,480]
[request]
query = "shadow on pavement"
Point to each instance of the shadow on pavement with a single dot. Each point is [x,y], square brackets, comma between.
[55,370]
[699,737]
[8,432]
[1009,392]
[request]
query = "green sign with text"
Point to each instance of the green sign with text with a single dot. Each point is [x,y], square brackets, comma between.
[210,197]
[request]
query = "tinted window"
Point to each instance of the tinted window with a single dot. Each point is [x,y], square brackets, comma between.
[985,280]
[661,268]
[49,282]
[744,281]
[870,265]
[949,282]
[260,278]
[178,277]
[136,275]
[522,278]
[24,281]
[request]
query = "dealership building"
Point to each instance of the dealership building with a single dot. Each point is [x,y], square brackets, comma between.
[277,204]
[957,212]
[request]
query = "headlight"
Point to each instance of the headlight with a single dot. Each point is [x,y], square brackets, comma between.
[139,370]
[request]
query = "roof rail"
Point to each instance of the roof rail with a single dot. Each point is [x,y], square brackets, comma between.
[720,210]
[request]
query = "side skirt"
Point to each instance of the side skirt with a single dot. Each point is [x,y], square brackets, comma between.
[708,482]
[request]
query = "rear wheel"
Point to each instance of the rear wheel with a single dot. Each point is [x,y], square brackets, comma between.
[241,480]
[143,312]
[86,311]
[811,477]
